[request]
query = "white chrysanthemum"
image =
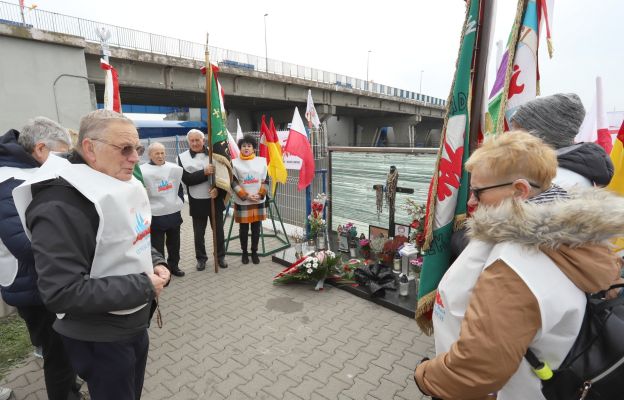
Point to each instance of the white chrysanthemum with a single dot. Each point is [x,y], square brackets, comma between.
[314,259]
[309,270]
[315,265]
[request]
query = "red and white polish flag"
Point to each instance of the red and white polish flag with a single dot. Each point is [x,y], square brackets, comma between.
[112,100]
[298,145]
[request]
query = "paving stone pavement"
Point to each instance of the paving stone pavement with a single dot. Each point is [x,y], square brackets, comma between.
[234,335]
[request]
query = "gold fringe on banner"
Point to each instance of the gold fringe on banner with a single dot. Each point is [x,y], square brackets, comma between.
[425,304]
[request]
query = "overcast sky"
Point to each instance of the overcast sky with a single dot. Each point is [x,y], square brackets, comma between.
[405,37]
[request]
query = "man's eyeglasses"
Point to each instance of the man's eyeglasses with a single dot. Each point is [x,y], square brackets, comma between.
[126,150]
[476,192]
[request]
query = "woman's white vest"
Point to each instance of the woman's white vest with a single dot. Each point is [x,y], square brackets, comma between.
[251,175]
[561,303]
[123,245]
[194,164]
[162,183]
[8,263]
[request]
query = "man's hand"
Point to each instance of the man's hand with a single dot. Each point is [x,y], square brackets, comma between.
[214,192]
[159,278]
[162,272]
[209,169]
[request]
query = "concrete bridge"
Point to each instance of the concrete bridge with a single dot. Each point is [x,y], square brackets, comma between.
[58,75]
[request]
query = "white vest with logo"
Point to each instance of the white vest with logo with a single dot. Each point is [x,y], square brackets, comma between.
[162,183]
[251,175]
[123,245]
[561,303]
[8,263]
[194,164]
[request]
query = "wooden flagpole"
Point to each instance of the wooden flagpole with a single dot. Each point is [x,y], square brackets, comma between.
[209,129]
[486,9]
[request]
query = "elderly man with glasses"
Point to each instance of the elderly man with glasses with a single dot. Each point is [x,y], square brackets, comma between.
[535,250]
[89,221]
[21,155]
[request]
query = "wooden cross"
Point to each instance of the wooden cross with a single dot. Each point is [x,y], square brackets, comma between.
[391,206]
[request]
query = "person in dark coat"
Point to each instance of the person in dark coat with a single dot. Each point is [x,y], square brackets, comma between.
[90,230]
[556,120]
[21,154]
[198,176]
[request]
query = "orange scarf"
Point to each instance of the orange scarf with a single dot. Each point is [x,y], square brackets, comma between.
[249,157]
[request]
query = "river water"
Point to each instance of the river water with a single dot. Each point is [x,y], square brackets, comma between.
[353,177]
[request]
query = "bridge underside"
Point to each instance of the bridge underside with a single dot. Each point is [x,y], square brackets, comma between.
[193,99]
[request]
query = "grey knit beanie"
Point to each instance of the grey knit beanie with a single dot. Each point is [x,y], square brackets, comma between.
[555,119]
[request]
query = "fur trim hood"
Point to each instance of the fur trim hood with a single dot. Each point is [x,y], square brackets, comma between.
[588,217]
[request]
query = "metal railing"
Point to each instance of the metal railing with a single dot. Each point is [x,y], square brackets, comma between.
[158,44]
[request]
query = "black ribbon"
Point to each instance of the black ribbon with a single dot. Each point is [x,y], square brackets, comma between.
[377,278]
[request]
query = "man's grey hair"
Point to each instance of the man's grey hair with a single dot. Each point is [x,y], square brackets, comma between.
[94,124]
[194,131]
[43,130]
[153,145]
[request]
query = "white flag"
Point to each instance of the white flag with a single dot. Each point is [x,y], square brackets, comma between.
[310,114]
[239,131]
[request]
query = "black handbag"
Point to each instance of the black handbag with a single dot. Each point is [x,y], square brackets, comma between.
[594,367]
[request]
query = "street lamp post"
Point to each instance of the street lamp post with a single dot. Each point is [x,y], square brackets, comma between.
[266,54]
[367,64]
[420,87]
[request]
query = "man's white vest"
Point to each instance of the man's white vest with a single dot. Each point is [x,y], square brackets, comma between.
[8,263]
[162,183]
[123,244]
[194,164]
[561,303]
[251,175]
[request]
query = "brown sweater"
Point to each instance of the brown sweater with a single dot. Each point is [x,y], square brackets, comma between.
[501,320]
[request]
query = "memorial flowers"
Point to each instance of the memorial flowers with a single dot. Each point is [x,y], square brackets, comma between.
[417,212]
[315,219]
[315,267]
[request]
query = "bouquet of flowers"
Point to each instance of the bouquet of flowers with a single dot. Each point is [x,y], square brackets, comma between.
[315,267]
[417,212]
[365,247]
[347,272]
[317,223]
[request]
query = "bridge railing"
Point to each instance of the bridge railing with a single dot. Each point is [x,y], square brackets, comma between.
[158,44]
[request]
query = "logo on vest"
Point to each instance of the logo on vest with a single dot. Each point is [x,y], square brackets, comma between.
[249,179]
[164,185]
[142,228]
[438,307]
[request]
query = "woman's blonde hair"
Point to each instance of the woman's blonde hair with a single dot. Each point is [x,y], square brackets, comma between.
[516,154]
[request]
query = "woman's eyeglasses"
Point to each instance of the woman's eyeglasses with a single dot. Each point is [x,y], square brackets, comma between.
[126,150]
[476,192]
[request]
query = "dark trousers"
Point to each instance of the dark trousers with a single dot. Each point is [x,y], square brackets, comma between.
[243,234]
[60,378]
[199,231]
[171,237]
[112,370]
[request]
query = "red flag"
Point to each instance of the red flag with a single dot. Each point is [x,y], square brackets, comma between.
[264,132]
[298,145]
[112,100]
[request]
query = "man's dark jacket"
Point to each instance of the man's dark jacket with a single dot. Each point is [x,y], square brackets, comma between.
[23,292]
[589,160]
[201,207]
[64,224]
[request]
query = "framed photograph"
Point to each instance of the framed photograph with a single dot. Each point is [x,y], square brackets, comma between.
[377,232]
[343,242]
[402,231]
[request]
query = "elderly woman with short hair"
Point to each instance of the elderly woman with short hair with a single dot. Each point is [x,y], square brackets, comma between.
[535,251]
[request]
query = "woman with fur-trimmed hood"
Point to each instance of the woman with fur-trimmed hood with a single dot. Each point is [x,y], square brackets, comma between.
[535,251]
